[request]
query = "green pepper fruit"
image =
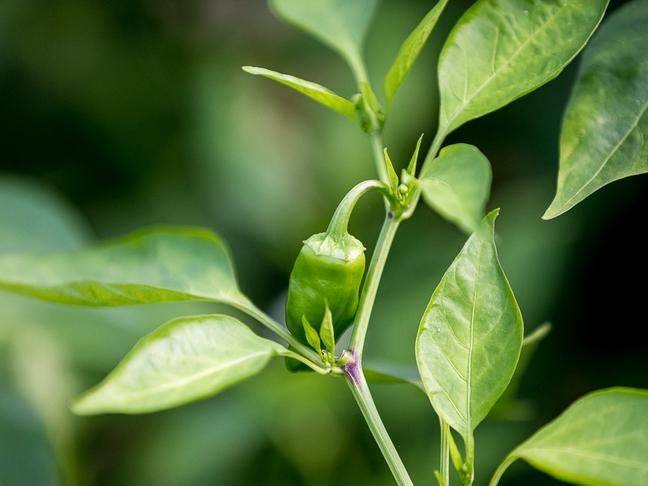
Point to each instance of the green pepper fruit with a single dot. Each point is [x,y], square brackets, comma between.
[328,270]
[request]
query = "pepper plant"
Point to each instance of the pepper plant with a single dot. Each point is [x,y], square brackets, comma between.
[471,339]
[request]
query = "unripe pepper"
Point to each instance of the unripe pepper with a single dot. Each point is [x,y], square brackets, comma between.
[328,271]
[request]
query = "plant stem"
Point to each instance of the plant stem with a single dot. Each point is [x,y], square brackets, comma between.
[434,149]
[358,385]
[377,147]
[510,459]
[312,366]
[256,313]
[469,469]
[358,69]
[372,281]
[340,219]
[353,368]
[444,458]
[378,260]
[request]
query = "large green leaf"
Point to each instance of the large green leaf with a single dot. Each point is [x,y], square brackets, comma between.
[187,359]
[457,183]
[501,50]
[601,439]
[314,91]
[33,219]
[340,24]
[411,49]
[157,265]
[470,336]
[605,129]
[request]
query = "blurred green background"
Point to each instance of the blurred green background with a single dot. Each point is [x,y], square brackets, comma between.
[121,114]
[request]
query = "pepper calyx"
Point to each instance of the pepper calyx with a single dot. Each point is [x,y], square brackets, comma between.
[343,247]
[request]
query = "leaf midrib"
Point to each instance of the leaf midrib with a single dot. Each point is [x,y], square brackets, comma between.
[614,150]
[193,378]
[504,66]
[471,346]
[216,295]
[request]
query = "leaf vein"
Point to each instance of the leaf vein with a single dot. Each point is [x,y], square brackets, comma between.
[611,154]
[492,76]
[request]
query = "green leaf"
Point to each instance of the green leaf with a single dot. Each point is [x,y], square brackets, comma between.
[391,172]
[155,265]
[32,219]
[370,98]
[530,343]
[327,331]
[314,91]
[410,50]
[411,167]
[390,374]
[340,24]
[470,336]
[370,112]
[501,50]
[457,183]
[601,439]
[186,359]
[311,336]
[605,128]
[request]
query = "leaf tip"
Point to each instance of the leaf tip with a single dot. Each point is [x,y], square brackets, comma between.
[486,228]
[492,215]
[93,401]
[80,406]
[252,70]
[552,212]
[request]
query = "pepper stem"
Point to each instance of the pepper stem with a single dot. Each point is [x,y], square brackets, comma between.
[340,220]
[360,390]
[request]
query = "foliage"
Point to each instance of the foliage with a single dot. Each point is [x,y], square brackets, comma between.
[605,130]
[471,337]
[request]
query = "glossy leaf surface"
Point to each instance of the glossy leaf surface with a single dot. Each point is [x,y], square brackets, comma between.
[187,359]
[457,183]
[156,265]
[605,129]
[327,331]
[312,337]
[601,439]
[314,91]
[470,336]
[411,49]
[501,50]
